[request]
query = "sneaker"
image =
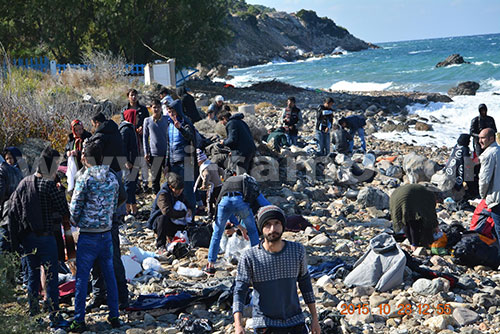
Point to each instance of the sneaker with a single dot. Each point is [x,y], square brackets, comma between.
[209,270]
[77,327]
[115,322]
[94,303]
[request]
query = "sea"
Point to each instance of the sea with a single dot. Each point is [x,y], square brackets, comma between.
[403,66]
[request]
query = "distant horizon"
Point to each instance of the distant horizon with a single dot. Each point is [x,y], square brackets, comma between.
[423,39]
[387,21]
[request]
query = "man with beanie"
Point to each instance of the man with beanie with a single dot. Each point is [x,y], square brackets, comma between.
[273,268]
[210,177]
[480,123]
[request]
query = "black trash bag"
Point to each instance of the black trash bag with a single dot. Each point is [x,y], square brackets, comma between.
[188,325]
[472,251]
[200,235]
[180,250]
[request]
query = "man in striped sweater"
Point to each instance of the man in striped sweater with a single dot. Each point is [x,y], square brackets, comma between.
[273,268]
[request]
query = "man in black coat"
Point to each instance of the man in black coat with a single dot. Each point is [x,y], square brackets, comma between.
[239,140]
[480,123]
[108,136]
[188,105]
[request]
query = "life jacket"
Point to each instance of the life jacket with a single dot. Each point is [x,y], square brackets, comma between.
[482,222]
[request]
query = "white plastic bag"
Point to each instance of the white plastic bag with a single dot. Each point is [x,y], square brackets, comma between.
[132,268]
[235,247]
[190,272]
[151,263]
[71,172]
[138,254]
[179,206]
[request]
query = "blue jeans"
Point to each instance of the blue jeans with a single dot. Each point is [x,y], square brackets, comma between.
[188,185]
[41,250]
[92,247]
[228,206]
[323,139]
[292,139]
[361,135]
[261,200]
[130,184]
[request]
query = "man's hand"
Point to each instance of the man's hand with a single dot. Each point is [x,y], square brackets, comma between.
[315,327]
[238,323]
[139,130]
[238,329]
[128,165]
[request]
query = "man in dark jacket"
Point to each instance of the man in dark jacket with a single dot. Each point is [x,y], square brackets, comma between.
[181,149]
[188,104]
[163,212]
[480,123]
[108,136]
[130,147]
[355,124]
[9,180]
[240,141]
[142,113]
[291,120]
[341,139]
[324,122]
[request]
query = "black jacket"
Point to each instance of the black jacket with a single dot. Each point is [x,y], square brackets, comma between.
[9,179]
[324,118]
[341,138]
[188,105]
[142,113]
[129,139]
[291,119]
[108,136]
[480,123]
[239,138]
[71,144]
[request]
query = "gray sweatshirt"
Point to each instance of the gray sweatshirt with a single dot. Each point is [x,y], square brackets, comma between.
[155,136]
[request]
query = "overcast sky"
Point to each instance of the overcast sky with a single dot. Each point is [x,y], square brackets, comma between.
[396,20]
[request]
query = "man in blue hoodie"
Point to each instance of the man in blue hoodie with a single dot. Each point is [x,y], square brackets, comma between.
[355,124]
[239,140]
[92,206]
[181,149]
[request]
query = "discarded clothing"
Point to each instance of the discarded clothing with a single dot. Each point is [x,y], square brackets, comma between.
[296,223]
[326,268]
[153,301]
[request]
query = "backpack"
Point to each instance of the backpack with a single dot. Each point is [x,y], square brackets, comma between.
[475,249]
[200,235]
[251,189]
[482,222]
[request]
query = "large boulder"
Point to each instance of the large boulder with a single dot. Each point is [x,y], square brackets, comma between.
[464,88]
[452,60]
[418,168]
[370,196]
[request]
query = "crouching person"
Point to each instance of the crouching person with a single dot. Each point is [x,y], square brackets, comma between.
[166,217]
[94,200]
[273,268]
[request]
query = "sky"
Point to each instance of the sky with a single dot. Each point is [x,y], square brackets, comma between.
[380,21]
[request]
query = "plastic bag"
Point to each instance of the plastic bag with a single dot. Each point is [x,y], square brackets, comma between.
[71,172]
[179,206]
[138,254]
[190,272]
[151,263]
[235,247]
[132,268]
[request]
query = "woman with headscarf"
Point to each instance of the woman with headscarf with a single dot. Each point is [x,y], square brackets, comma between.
[131,148]
[75,141]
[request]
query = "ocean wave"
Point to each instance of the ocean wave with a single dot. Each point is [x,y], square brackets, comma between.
[493,84]
[360,86]
[419,51]
[479,63]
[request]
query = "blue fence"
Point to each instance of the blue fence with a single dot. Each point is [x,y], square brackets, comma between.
[43,64]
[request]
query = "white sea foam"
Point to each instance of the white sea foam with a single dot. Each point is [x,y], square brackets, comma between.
[490,84]
[419,51]
[479,63]
[454,119]
[360,86]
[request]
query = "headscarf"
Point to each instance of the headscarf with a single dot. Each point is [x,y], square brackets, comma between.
[78,141]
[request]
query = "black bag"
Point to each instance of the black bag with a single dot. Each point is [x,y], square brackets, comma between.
[472,251]
[251,189]
[189,325]
[200,235]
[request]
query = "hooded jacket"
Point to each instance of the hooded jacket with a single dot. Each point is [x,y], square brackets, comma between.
[324,118]
[381,267]
[178,139]
[355,122]
[108,136]
[95,199]
[164,205]
[341,138]
[142,113]
[239,137]
[456,165]
[489,178]
[479,123]
[129,139]
[70,146]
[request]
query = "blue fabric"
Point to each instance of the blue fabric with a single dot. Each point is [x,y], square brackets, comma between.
[153,301]
[495,214]
[355,122]
[326,268]
[92,247]
[228,206]
[361,134]
[130,184]
[41,250]
[323,139]
[261,201]
[188,186]
[292,139]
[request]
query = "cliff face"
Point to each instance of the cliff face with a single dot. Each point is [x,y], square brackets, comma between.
[262,38]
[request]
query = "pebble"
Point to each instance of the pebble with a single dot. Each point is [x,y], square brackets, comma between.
[465,316]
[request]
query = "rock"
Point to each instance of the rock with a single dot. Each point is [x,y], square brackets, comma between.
[376,300]
[88,98]
[60,331]
[135,331]
[371,196]
[421,126]
[427,287]
[452,60]
[324,280]
[465,316]
[149,320]
[418,168]
[440,322]
[394,171]
[358,318]
[321,240]
[219,71]
[484,300]
[247,109]
[464,88]
[359,291]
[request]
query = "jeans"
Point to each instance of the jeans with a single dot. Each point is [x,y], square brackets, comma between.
[130,184]
[361,135]
[98,286]
[92,247]
[157,165]
[41,250]
[188,185]
[241,164]
[292,139]
[228,206]
[323,139]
